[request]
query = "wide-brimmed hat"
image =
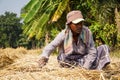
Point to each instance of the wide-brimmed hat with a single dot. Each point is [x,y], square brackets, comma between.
[74,16]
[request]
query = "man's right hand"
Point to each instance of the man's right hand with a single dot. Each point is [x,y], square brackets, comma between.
[42,61]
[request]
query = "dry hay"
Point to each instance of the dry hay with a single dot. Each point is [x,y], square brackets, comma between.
[9,55]
[26,68]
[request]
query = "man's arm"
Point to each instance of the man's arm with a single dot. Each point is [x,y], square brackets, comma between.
[51,46]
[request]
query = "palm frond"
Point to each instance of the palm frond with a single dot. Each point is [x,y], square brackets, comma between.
[33,11]
[26,27]
[30,5]
[32,31]
[38,16]
[61,7]
[44,19]
[27,8]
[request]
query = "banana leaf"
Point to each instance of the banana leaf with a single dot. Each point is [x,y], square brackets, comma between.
[61,8]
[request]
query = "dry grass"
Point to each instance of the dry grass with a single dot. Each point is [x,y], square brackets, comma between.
[20,64]
[9,55]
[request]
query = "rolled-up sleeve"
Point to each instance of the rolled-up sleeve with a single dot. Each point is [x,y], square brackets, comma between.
[92,53]
[52,46]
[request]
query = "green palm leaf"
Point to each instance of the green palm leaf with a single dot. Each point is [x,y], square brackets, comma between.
[27,27]
[61,7]
[29,5]
[37,27]
[27,8]
[39,14]
[34,28]
[44,19]
[33,11]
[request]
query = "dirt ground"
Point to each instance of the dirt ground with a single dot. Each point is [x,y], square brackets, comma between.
[21,64]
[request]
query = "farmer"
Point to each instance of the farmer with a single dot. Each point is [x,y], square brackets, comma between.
[76,46]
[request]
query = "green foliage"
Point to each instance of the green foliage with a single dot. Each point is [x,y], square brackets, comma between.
[43,21]
[38,17]
[105,32]
[99,15]
[33,11]
[36,22]
[118,40]
[54,33]
[30,43]
[10,29]
[61,8]
[27,8]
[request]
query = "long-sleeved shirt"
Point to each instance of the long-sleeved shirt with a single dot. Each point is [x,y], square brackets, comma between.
[78,48]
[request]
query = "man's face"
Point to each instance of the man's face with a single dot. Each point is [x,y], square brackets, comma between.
[76,28]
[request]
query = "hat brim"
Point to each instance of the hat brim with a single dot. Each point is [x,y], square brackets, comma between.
[77,20]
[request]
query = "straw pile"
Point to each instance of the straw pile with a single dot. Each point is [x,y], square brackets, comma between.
[25,67]
[9,55]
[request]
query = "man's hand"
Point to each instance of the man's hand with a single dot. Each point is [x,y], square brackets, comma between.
[42,61]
